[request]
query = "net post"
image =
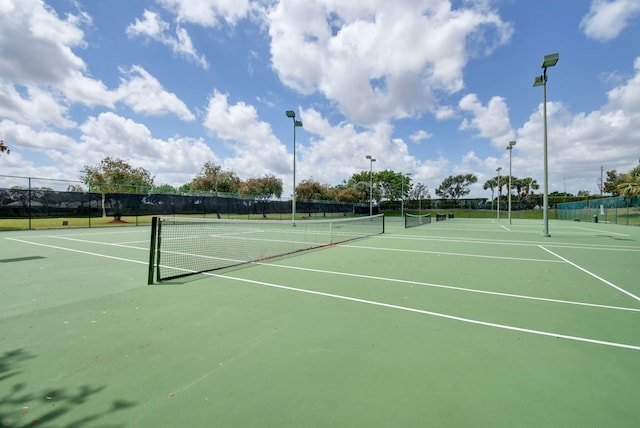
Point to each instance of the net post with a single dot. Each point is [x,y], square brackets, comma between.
[152,249]
[383,223]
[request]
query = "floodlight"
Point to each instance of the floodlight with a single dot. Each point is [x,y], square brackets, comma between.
[550,60]
[539,81]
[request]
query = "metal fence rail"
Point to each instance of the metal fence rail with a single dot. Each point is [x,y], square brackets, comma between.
[618,210]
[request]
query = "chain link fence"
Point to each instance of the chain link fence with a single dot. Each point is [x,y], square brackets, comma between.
[73,204]
[618,210]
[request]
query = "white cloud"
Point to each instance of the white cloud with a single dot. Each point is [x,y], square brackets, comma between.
[153,27]
[208,13]
[37,50]
[256,149]
[420,135]
[607,19]
[491,121]
[379,60]
[144,94]
[174,161]
[33,106]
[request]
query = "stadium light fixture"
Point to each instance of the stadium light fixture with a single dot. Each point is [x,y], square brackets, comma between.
[498,169]
[547,61]
[371,161]
[510,148]
[296,124]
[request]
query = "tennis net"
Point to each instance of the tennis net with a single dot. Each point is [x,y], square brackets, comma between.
[412,220]
[182,246]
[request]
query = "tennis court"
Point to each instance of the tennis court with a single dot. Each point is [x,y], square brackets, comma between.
[454,323]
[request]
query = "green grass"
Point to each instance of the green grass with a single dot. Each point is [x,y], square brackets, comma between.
[78,222]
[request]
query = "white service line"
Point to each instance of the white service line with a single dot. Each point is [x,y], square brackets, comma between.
[435,314]
[447,287]
[79,251]
[443,253]
[610,284]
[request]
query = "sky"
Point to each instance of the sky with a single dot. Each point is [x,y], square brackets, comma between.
[430,88]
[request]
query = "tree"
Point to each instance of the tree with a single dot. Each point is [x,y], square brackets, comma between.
[456,187]
[391,185]
[4,148]
[212,178]
[75,188]
[528,184]
[492,183]
[629,184]
[419,192]
[263,188]
[360,182]
[115,176]
[312,190]
[164,189]
[613,181]
[348,194]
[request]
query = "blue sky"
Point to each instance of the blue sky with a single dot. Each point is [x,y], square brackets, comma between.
[428,87]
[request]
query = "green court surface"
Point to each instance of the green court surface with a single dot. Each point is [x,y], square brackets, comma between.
[458,323]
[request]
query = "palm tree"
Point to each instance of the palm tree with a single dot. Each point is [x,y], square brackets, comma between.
[491,184]
[518,184]
[529,184]
[630,183]
[4,148]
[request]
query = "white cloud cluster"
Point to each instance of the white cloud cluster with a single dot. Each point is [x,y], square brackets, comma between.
[208,13]
[491,121]
[606,19]
[257,150]
[153,27]
[377,59]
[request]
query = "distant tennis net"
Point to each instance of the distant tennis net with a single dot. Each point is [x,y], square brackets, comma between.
[412,220]
[183,246]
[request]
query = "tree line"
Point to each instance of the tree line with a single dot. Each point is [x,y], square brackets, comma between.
[118,176]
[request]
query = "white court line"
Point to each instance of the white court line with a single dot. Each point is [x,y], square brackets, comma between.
[435,314]
[505,228]
[610,284]
[601,231]
[509,242]
[122,259]
[448,287]
[400,250]
[369,302]
[111,244]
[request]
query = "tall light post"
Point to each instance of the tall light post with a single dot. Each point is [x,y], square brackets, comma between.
[510,148]
[296,123]
[498,169]
[547,61]
[371,161]
[408,174]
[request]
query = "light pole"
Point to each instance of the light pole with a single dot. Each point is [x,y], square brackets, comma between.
[408,174]
[296,123]
[499,190]
[547,61]
[371,161]
[510,148]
